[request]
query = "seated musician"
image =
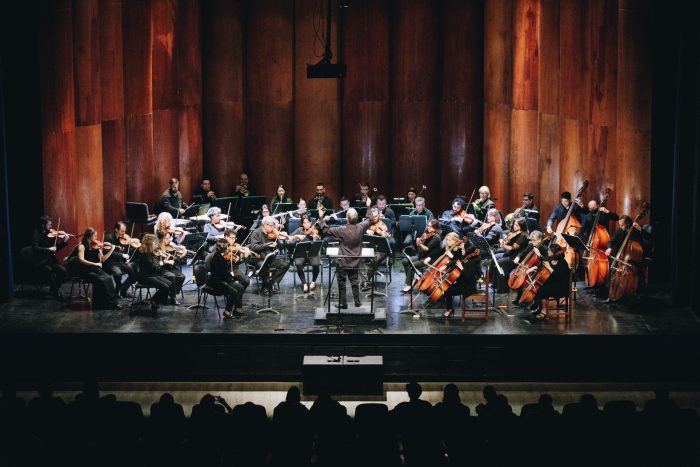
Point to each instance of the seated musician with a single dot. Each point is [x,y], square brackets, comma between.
[222,280]
[264,212]
[244,188]
[457,220]
[411,195]
[307,233]
[560,210]
[385,211]
[419,210]
[536,243]
[464,256]
[45,248]
[214,229]
[320,198]
[528,210]
[510,247]
[481,206]
[638,234]
[281,196]
[429,248]
[300,211]
[88,263]
[171,200]
[205,193]
[604,219]
[557,286]
[343,206]
[118,263]
[169,264]
[381,228]
[164,222]
[243,253]
[266,240]
[491,228]
[149,272]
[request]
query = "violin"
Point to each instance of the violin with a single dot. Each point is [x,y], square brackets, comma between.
[485,227]
[129,241]
[230,254]
[53,233]
[379,229]
[101,245]
[278,235]
[426,236]
[311,232]
[177,251]
[221,226]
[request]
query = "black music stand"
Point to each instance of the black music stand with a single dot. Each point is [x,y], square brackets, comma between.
[416,275]
[223,203]
[532,218]
[191,211]
[137,213]
[266,263]
[577,244]
[248,208]
[379,245]
[307,250]
[197,242]
[413,224]
[331,279]
[401,209]
[282,207]
[481,243]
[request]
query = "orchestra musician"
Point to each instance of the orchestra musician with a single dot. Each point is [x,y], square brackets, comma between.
[213,232]
[604,219]
[380,227]
[164,222]
[350,237]
[411,195]
[307,233]
[168,263]
[150,272]
[460,256]
[624,223]
[264,241]
[491,228]
[482,205]
[556,286]
[457,218]
[243,188]
[222,280]
[385,211]
[118,264]
[44,248]
[171,200]
[343,206]
[301,209]
[264,212]
[363,198]
[536,243]
[560,210]
[243,253]
[418,210]
[320,199]
[527,210]
[88,264]
[205,193]
[429,248]
[280,196]
[510,247]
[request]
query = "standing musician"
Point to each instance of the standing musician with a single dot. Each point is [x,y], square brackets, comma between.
[164,222]
[150,272]
[171,254]
[460,254]
[320,199]
[171,200]
[429,248]
[45,243]
[638,234]
[560,210]
[263,241]
[381,228]
[307,233]
[280,196]
[482,205]
[510,247]
[589,218]
[240,251]
[363,198]
[536,243]
[205,192]
[88,264]
[385,211]
[350,237]
[418,210]
[557,285]
[243,188]
[222,279]
[118,263]
[491,229]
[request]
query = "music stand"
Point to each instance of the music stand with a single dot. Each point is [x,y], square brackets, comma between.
[401,209]
[265,263]
[307,250]
[196,242]
[481,243]
[380,245]
[191,211]
[334,253]
[246,206]
[222,203]
[416,275]
[413,224]
[282,207]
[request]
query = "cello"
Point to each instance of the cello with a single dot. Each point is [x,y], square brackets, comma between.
[597,265]
[570,225]
[625,274]
[519,275]
[448,277]
[542,275]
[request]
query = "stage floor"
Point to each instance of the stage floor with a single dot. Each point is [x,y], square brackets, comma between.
[32,312]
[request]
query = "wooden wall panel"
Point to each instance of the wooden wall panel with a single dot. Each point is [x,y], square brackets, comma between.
[633,177]
[140,184]
[497,149]
[111,60]
[573,149]
[316,113]
[548,74]
[59,165]
[189,49]
[365,95]
[190,151]
[269,78]
[603,46]
[549,154]
[414,105]
[601,150]
[166,150]
[525,54]
[575,60]
[89,187]
[137,57]
[461,102]
[498,52]
[223,128]
[523,158]
[114,192]
[164,53]
[86,43]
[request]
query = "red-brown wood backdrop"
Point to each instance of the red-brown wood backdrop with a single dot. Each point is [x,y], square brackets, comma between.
[521,95]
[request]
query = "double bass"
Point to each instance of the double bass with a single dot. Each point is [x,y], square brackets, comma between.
[597,265]
[624,278]
[570,225]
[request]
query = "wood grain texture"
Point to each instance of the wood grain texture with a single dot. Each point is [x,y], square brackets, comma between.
[140,184]
[498,52]
[138,96]
[111,60]
[166,150]
[603,46]
[549,67]
[548,156]
[113,171]
[573,149]
[190,150]
[86,56]
[497,149]
[89,200]
[575,60]
[164,53]
[189,50]
[525,54]
[523,157]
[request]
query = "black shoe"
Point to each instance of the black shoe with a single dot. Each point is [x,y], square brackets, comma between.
[358,303]
[366,286]
[535,306]
[124,294]
[116,306]
[227,314]
[266,292]
[343,306]
[154,306]
[173,302]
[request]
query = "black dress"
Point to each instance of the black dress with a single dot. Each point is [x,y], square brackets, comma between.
[150,273]
[221,280]
[104,293]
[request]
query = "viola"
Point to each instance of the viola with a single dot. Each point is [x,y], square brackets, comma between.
[129,241]
[625,267]
[229,255]
[277,235]
[485,227]
[597,265]
[426,236]
[380,229]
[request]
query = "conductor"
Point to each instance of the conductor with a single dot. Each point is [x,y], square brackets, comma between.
[350,237]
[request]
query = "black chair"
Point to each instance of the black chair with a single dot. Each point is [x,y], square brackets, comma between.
[201,274]
[29,271]
[139,287]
